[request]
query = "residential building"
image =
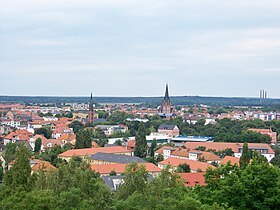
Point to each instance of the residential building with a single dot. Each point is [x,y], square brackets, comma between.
[108,158]
[105,170]
[232,160]
[195,166]
[269,132]
[193,179]
[263,149]
[169,129]
[91,151]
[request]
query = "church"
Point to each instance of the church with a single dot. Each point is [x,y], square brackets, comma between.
[166,110]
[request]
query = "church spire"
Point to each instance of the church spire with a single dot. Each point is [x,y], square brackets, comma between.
[166,97]
[91,111]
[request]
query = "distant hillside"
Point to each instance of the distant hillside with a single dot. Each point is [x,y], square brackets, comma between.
[177,100]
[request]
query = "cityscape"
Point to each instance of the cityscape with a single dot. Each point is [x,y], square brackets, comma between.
[131,105]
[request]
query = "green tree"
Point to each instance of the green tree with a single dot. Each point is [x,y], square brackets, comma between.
[83,139]
[10,152]
[113,173]
[20,173]
[38,144]
[77,126]
[276,161]
[135,180]
[141,146]
[153,148]
[245,156]
[183,168]
[45,130]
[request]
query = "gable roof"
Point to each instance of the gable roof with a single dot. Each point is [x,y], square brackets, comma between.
[160,150]
[115,158]
[194,165]
[92,151]
[231,159]
[219,146]
[167,127]
[193,179]
[120,168]
[42,165]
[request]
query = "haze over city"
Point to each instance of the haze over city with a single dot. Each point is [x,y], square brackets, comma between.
[133,48]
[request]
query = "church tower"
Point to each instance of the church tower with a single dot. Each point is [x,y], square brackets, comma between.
[91,111]
[166,104]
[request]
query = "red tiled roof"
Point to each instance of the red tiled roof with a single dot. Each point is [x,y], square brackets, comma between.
[16,133]
[131,143]
[232,160]
[92,151]
[193,179]
[219,146]
[160,151]
[67,137]
[120,168]
[194,165]
[42,165]
[208,156]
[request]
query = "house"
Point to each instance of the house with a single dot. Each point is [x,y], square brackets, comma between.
[37,165]
[113,182]
[67,155]
[180,140]
[195,166]
[108,158]
[232,160]
[263,149]
[131,145]
[187,154]
[193,179]
[269,132]
[18,135]
[60,129]
[68,138]
[111,129]
[169,129]
[120,168]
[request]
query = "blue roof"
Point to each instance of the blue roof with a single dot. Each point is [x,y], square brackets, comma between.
[195,137]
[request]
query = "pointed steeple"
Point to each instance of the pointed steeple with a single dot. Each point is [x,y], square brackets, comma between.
[166,97]
[91,103]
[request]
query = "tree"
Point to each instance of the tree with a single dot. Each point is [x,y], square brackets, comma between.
[113,173]
[10,152]
[38,144]
[183,168]
[77,126]
[135,179]
[245,157]
[20,173]
[1,171]
[83,139]
[45,130]
[153,148]
[141,146]
[276,161]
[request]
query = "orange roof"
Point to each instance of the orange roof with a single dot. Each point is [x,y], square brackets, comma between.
[219,146]
[180,152]
[131,143]
[42,165]
[67,137]
[120,168]
[208,156]
[232,160]
[160,151]
[194,165]
[16,133]
[193,179]
[94,144]
[92,151]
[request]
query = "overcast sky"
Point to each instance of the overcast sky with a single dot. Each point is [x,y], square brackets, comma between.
[132,48]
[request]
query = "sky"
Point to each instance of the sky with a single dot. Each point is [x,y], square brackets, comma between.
[133,48]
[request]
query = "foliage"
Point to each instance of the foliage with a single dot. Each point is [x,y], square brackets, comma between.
[45,130]
[38,144]
[153,148]
[141,146]
[10,152]
[77,126]
[245,156]
[276,161]
[183,168]
[83,139]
